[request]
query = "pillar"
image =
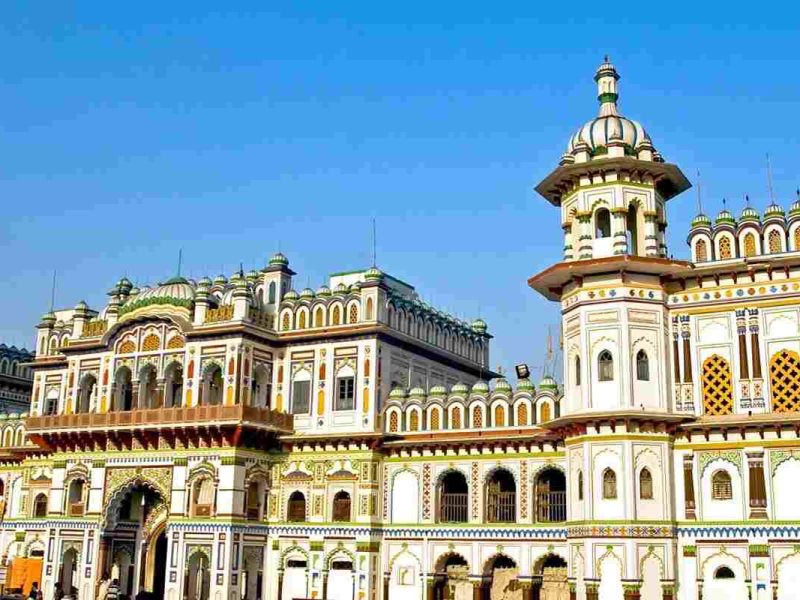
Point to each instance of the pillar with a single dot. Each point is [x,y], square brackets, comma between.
[688,486]
[758,490]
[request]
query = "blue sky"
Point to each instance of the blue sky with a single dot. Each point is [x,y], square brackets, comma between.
[130,131]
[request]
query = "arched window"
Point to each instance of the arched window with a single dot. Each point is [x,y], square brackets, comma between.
[455,418]
[602,223]
[796,239]
[774,242]
[211,386]
[717,386]
[40,506]
[75,497]
[301,320]
[252,501]
[271,293]
[86,393]
[499,416]
[544,412]
[724,573]
[394,421]
[370,309]
[701,251]
[173,385]
[452,494]
[609,485]
[353,313]
[605,366]
[721,486]
[522,414]
[413,421]
[577,370]
[435,420]
[148,388]
[477,417]
[296,508]
[286,322]
[645,485]
[725,250]
[301,393]
[749,244]
[632,229]
[642,366]
[341,507]
[319,316]
[336,317]
[784,377]
[501,494]
[580,485]
[202,497]
[123,392]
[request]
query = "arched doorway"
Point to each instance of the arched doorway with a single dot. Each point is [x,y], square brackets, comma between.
[68,576]
[197,584]
[173,385]
[550,578]
[451,570]
[134,545]
[123,390]
[501,497]
[86,393]
[453,493]
[252,573]
[500,577]
[340,579]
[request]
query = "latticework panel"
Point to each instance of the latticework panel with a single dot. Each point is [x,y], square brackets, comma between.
[717,386]
[725,247]
[701,251]
[749,245]
[784,379]
[774,241]
[499,416]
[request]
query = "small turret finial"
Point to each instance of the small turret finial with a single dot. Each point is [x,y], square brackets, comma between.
[699,195]
[606,78]
[747,200]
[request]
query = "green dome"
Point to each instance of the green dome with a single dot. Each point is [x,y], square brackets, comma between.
[373,274]
[204,282]
[502,385]
[134,291]
[460,389]
[548,383]
[49,318]
[220,279]
[397,393]
[81,306]
[307,293]
[355,288]
[525,385]
[725,217]
[701,220]
[774,211]
[340,289]
[794,210]
[479,325]
[416,392]
[278,259]
[750,214]
[252,274]
[290,295]
[324,290]
[438,390]
[480,387]
[124,283]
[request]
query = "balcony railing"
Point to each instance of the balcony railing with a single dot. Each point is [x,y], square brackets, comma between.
[154,417]
[501,507]
[296,511]
[551,507]
[251,513]
[202,510]
[76,509]
[341,510]
[453,508]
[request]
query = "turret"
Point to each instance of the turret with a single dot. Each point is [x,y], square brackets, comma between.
[277,281]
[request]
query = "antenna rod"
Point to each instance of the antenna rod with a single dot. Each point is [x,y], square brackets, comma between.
[374,244]
[699,195]
[180,260]
[53,292]
[769,180]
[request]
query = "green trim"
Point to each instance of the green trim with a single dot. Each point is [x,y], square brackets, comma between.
[609,184]
[233,461]
[316,546]
[155,301]
[607,97]
[690,551]
[470,457]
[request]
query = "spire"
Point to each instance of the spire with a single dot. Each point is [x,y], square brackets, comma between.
[606,78]
[769,181]
[699,195]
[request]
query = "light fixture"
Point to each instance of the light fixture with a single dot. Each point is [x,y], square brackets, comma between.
[523,372]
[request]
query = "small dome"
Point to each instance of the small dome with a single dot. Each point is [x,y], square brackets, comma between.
[480,387]
[307,293]
[252,274]
[749,214]
[324,290]
[355,288]
[373,274]
[548,383]
[459,388]
[340,289]
[204,282]
[794,210]
[3,417]
[80,306]
[438,390]
[278,259]
[774,211]
[135,291]
[479,325]
[502,385]
[397,393]
[725,217]
[125,284]
[220,279]
[49,318]
[290,295]
[525,385]
[416,392]
[701,220]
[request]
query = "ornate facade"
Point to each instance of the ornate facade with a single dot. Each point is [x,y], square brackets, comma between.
[237,439]
[16,379]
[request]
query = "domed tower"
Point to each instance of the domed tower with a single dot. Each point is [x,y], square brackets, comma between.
[618,409]
[612,184]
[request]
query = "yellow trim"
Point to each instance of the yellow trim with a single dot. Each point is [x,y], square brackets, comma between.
[473,457]
[622,437]
[783,443]
[724,306]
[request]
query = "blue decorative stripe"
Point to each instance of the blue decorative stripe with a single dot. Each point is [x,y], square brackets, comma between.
[739,531]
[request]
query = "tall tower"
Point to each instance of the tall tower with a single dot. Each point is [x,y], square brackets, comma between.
[612,186]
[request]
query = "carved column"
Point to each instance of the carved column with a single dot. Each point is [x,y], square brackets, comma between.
[688,486]
[741,326]
[758,489]
[386,581]
[676,357]
[687,349]
[592,591]
[755,344]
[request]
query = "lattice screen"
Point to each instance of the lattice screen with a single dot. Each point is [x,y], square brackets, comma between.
[749,245]
[784,378]
[725,247]
[717,386]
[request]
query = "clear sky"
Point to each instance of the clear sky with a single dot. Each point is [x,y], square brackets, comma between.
[130,130]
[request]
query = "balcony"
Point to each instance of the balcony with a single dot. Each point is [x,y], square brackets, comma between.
[252,513]
[551,507]
[157,418]
[453,508]
[76,509]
